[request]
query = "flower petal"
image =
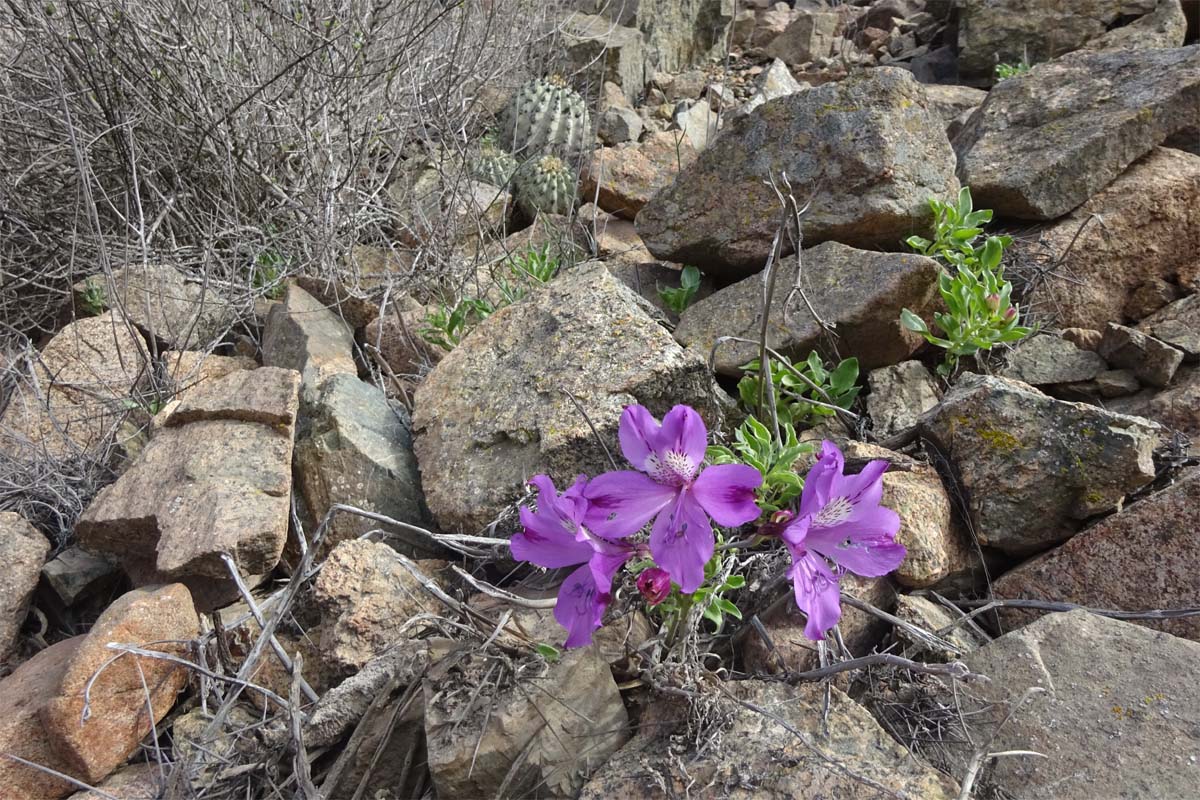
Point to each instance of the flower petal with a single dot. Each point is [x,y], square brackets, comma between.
[823,480]
[682,542]
[546,542]
[683,431]
[726,492]
[620,503]
[817,594]
[795,532]
[580,606]
[605,563]
[638,434]
[866,488]
[866,546]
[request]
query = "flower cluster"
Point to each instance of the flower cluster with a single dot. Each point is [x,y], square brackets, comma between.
[838,527]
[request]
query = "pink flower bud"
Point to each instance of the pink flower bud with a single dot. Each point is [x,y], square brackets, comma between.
[1010,314]
[993,301]
[654,584]
[776,523]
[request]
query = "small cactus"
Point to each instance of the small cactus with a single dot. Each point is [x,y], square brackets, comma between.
[493,165]
[545,184]
[545,115]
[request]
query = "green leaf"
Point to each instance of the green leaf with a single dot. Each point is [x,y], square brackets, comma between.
[727,607]
[550,652]
[912,322]
[735,582]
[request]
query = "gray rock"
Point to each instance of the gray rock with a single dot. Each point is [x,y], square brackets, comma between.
[23,549]
[602,50]
[829,750]
[180,314]
[859,292]
[76,575]
[683,33]
[1176,408]
[1116,717]
[951,102]
[900,394]
[1117,383]
[1009,31]
[1152,361]
[1145,556]
[1046,360]
[494,412]
[882,153]
[1177,325]
[1043,143]
[305,336]
[809,36]
[1095,271]
[618,125]
[622,179]
[699,123]
[354,447]
[775,82]
[541,736]
[622,12]
[647,277]
[1165,26]
[932,618]
[1033,468]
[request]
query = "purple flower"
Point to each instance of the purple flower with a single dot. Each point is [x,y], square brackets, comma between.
[673,490]
[654,584]
[840,521]
[554,536]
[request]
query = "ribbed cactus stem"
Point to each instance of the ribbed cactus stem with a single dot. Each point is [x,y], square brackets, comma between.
[545,184]
[545,114]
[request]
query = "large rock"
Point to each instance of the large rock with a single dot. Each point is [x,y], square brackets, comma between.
[1033,468]
[623,179]
[539,736]
[189,368]
[900,394]
[22,550]
[216,478]
[74,399]
[496,411]
[1045,142]
[1178,325]
[1116,718]
[1009,31]
[304,335]
[1144,557]
[1176,408]
[1127,238]
[164,306]
[367,600]
[1166,26]
[809,36]
[1046,360]
[354,447]
[1152,362]
[606,52]
[789,743]
[95,725]
[869,142]
[860,293]
[681,33]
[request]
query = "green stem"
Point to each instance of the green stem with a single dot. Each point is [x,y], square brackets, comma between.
[685,606]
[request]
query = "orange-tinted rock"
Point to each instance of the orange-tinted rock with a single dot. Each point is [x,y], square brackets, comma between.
[23,695]
[629,175]
[22,550]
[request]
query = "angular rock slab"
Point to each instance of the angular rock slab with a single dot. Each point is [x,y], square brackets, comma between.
[1117,719]
[354,447]
[1097,270]
[220,482]
[304,335]
[1044,142]
[1033,468]
[859,292]
[1176,408]
[759,757]
[870,141]
[681,33]
[624,178]
[551,730]
[159,618]
[22,551]
[494,412]
[1147,556]
[1046,360]
[900,394]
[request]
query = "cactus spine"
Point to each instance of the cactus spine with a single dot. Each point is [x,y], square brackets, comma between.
[545,184]
[545,114]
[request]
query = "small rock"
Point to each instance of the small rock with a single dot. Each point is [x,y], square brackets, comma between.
[1145,556]
[368,598]
[743,27]
[809,36]
[354,447]
[160,618]
[1165,26]
[1151,296]
[873,130]
[623,179]
[23,550]
[1032,468]
[1176,408]
[559,721]
[770,22]
[829,744]
[619,125]
[1114,719]
[1044,142]
[601,49]
[1177,325]
[776,82]
[950,102]
[932,618]
[1083,338]
[860,293]
[141,781]
[305,336]
[496,411]
[75,575]
[1045,360]
[900,394]
[1117,383]
[1152,361]
[268,398]
[687,85]
[699,123]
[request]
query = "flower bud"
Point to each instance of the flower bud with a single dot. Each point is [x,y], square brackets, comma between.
[1010,314]
[654,584]
[776,523]
[993,301]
